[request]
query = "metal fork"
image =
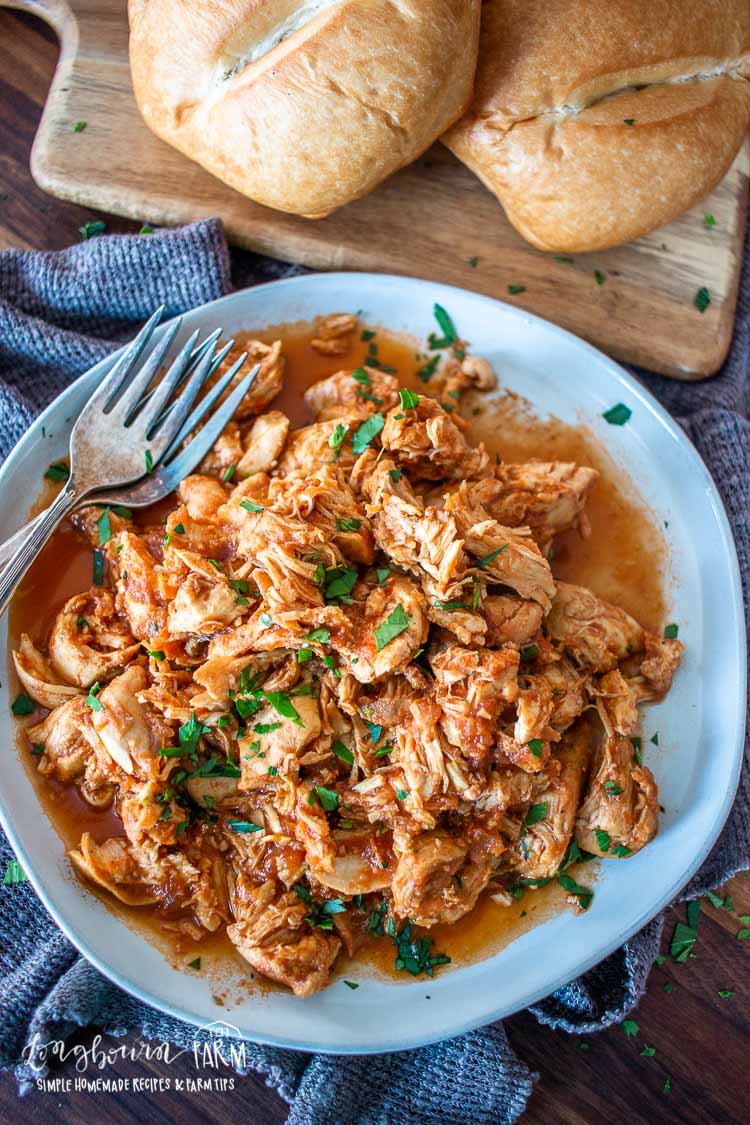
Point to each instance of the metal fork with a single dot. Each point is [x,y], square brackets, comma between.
[123,435]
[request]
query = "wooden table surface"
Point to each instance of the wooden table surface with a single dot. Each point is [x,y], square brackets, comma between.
[702,1040]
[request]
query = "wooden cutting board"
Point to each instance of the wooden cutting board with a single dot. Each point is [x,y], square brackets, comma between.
[433,219]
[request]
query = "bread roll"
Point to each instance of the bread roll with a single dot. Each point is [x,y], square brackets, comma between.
[303,105]
[595,122]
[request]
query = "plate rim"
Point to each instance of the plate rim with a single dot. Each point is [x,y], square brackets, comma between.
[624,379]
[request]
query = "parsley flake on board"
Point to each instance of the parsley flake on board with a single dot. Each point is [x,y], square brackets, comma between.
[629,121]
[515,289]
[366,433]
[57,472]
[14,874]
[617,415]
[702,299]
[685,936]
[473,262]
[396,623]
[564,260]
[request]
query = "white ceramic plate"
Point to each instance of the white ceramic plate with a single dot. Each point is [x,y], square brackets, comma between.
[701,722]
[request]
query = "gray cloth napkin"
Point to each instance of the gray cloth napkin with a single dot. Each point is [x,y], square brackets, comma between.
[59,314]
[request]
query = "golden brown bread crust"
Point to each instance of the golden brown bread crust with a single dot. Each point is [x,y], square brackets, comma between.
[357,90]
[558,83]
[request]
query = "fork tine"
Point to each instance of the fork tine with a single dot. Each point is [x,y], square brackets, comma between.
[125,406]
[196,450]
[148,417]
[167,426]
[115,378]
[207,403]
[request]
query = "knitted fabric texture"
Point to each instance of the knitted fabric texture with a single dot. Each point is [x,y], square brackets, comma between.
[60,313]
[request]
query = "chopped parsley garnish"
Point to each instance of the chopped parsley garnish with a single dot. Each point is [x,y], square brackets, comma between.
[266,728]
[620,851]
[515,289]
[360,376]
[630,1027]
[91,699]
[242,827]
[304,655]
[492,555]
[670,632]
[90,230]
[637,751]
[402,794]
[667,1085]
[351,984]
[449,607]
[612,788]
[328,798]
[148,459]
[23,705]
[342,752]
[425,373]
[536,747]
[348,525]
[240,586]
[409,400]
[584,895]
[375,730]
[57,472]
[413,954]
[196,964]
[367,334]
[446,327]
[383,574]
[322,636]
[339,583]
[281,702]
[266,619]
[251,506]
[617,415]
[14,874]
[602,839]
[336,440]
[685,936]
[228,473]
[629,120]
[396,623]
[648,1052]
[190,734]
[529,652]
[178,529]
[725,993]
[366,433]
[718,902]
[272,771]
[105,530]
[536,813]
[98,569]
[156,653]
[702,299]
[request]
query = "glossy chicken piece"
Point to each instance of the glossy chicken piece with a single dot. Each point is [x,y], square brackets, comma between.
[268,381]
[88,641]
[333,334]
[389,631]
[263,444]
[138,596]
[364,391]
[357,866]
[204,601]
[436,880]
[658,666]
[510,619]
[431,766]
[427,442]
[38,679]
[620,811]
[275,742]
[325,500]
[227,451]
[547,496]
[550,820]
[320,444]
[112,865]
[471,688]
[202,496]
[271,933]
[122,724]
[598,635]
[67,738]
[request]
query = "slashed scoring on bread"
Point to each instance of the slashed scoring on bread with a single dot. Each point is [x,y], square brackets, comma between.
[303,106]
[597,122]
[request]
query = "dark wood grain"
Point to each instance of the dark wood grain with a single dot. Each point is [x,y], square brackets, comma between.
[702,1041]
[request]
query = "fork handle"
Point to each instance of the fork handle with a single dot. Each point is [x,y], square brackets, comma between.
[24,556]
[11,546]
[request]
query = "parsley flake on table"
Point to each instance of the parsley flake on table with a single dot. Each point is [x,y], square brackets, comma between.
[396,623]
[90,230]
[617,415]
[366,433]
[648,1052]
[630,1027]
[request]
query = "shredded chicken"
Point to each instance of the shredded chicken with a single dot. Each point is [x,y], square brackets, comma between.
[336,690]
